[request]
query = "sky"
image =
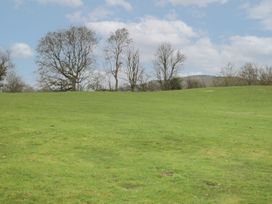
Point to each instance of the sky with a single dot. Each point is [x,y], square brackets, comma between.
[211,33]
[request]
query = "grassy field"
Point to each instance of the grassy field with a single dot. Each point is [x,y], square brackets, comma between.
[194,146]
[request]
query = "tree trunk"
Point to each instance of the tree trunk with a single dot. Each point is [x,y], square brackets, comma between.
[73,85]
[132,88]
[116,84]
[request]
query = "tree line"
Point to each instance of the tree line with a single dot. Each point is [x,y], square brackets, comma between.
[66,61]
[248,74]
[9,80]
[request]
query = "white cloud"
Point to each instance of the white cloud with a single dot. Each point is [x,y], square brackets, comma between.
[122,3]
[261,12]
[249,49]
[72,3]
[156,30]
[211,57]
[199,3]
[21,50]
[202,55]
[98,13]
[148,32]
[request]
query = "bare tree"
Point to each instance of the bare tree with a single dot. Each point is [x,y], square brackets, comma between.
[193,83]
[109,81]
[97,81]
[116,47]
[266,76]
[64,57]
[167,64]
[249,73]
[133,70]
[229,75]
[14,83]
[5,64]
[143,81]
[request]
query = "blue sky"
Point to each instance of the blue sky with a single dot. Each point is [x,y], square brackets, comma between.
[211,33]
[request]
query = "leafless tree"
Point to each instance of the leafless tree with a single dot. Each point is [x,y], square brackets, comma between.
[143,81]
[167,64]
[193,83]
[5,64]
[97,81]
[115,50]
[14,83]
[229,75]
[133,70]
[64,57]
[266,76]
[249,73]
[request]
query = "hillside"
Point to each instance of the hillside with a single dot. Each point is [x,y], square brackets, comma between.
[208,145]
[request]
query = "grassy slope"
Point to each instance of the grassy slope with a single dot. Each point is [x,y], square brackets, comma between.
[193,146]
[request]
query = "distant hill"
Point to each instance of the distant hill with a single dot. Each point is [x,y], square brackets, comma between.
[195,81]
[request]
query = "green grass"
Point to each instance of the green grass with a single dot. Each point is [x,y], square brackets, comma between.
[194,146]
